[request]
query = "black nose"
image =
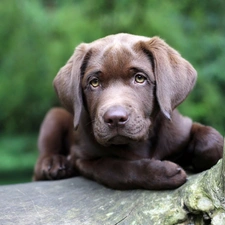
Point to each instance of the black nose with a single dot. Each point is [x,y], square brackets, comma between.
[116,116]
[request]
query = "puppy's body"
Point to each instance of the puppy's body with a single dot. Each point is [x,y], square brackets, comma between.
[121,92]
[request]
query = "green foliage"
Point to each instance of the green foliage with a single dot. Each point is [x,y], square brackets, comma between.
[18,156]
[38,36]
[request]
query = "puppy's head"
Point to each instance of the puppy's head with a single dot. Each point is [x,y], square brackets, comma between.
[121,78]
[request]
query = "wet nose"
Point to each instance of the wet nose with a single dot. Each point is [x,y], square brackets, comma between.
[116,116]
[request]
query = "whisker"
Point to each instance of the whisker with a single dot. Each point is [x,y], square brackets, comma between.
[91,122]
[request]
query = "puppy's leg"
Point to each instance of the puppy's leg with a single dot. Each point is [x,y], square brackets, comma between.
[123,174]
[205,147]
[54,145]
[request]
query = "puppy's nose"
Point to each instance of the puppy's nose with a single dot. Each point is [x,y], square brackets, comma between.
[116,116]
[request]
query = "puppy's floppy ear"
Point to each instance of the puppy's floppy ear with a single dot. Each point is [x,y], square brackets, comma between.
[67,83]
[175,77]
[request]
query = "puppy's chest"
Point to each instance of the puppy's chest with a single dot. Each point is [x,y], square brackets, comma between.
[131,153]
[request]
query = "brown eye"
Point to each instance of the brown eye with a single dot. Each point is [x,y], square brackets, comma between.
[140,78]
[94,83]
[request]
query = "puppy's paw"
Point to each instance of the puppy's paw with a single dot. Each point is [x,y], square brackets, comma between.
[166,175]
[53,167]
[173,175]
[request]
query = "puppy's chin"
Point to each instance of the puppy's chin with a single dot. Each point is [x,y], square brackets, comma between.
[119,140]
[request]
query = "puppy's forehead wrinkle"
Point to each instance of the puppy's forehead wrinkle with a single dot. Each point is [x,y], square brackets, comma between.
[117,56]
[113,50]
[119,44]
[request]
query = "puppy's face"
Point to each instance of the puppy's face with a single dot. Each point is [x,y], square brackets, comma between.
[121,79]
[118,86]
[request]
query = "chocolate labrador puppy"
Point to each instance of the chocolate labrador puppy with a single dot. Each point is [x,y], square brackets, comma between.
[121,127]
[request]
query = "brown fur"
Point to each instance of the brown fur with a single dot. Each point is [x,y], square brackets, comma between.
[121,93]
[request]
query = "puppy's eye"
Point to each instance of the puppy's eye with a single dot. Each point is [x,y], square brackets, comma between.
[140,78]
[94,83]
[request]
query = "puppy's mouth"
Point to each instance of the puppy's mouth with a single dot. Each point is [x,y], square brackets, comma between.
[135,130]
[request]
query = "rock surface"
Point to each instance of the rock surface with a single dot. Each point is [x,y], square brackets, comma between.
[80,201]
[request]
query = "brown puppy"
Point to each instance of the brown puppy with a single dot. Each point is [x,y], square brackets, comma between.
[121,92]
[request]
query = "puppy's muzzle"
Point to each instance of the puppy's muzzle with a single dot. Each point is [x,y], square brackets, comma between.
[116,117]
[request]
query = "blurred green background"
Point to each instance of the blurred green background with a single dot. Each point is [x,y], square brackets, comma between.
[37,38]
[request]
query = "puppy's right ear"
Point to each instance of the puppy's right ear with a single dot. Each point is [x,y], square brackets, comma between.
[67,83]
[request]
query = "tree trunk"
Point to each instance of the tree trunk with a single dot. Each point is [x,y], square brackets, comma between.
[80,201]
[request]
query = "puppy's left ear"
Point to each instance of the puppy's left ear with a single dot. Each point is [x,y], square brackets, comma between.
[67,83]
[175,77]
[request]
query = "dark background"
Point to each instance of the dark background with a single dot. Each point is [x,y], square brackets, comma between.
[37,38]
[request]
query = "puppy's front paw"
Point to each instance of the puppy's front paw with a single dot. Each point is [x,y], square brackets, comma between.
[53,167]
[173,175]
[165,175]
